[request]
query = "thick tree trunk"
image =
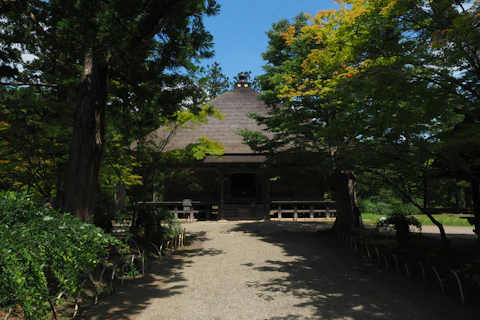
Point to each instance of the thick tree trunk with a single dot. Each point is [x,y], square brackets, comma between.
[88,135]
[348,214]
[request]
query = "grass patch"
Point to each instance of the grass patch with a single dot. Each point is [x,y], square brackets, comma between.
[444,219]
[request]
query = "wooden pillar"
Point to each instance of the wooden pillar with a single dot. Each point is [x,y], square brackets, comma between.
[327,212]
[279,211]
[267,207]
[208,213]
[222,195]
[266,198]
[295,213]
[311,212]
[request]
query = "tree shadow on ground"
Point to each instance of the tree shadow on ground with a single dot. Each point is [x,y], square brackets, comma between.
[312,276]
[163,278]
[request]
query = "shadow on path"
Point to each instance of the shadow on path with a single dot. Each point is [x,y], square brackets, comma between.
[162,279]
[336,284]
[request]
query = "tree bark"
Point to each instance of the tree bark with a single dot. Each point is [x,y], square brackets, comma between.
[348,215]
[88,135]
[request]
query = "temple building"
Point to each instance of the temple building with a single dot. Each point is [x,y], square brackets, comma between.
[236,185]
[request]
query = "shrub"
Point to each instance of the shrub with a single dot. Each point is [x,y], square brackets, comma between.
[367,206]
[407,209]
[159,224]
[401,219]
[42,253]
[16,207]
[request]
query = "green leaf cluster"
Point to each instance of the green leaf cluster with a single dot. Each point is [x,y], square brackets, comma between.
[16,207]
[44,253]
[157,225]
[35,133]
[376,87]
[124,66]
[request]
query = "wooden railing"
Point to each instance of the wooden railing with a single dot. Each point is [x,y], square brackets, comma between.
[315,209]
[310,209]
[177,208]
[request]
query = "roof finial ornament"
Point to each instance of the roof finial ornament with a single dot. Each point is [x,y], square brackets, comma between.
[242,81]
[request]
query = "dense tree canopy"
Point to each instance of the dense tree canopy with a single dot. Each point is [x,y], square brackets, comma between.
[381,88]
[375,86]
[34,140]
[132,56]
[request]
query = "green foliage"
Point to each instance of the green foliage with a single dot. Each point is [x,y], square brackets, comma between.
[132,85]
[407,209]
[401,220]
[382,208]
[367,206]
[445,220]
[203,147]
[215,82]
[16,207]
[375,87]
[158,224]
[44,252]
[35,133]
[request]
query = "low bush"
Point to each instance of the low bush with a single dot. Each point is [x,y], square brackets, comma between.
[367,206]
[44,253]
[158,224]
[16,207]
[401,219]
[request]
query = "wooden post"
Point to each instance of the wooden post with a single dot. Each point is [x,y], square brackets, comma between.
[295,213]
[311,212]
[327,212]
[175,210]
[279,211]
[222,194]
[266,199]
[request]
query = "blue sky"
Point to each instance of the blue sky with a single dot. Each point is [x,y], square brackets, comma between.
[239,30]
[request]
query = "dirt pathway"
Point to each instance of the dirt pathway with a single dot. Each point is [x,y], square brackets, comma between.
[274,270]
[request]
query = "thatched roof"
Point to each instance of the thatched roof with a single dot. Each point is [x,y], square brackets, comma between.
[235,105]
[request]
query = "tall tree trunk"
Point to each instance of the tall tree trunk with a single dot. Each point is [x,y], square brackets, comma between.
[88,135]
[348,215]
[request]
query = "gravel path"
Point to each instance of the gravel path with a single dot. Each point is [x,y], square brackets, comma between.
[272,270]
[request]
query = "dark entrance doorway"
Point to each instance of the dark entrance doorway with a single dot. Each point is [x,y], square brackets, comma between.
[243,185]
